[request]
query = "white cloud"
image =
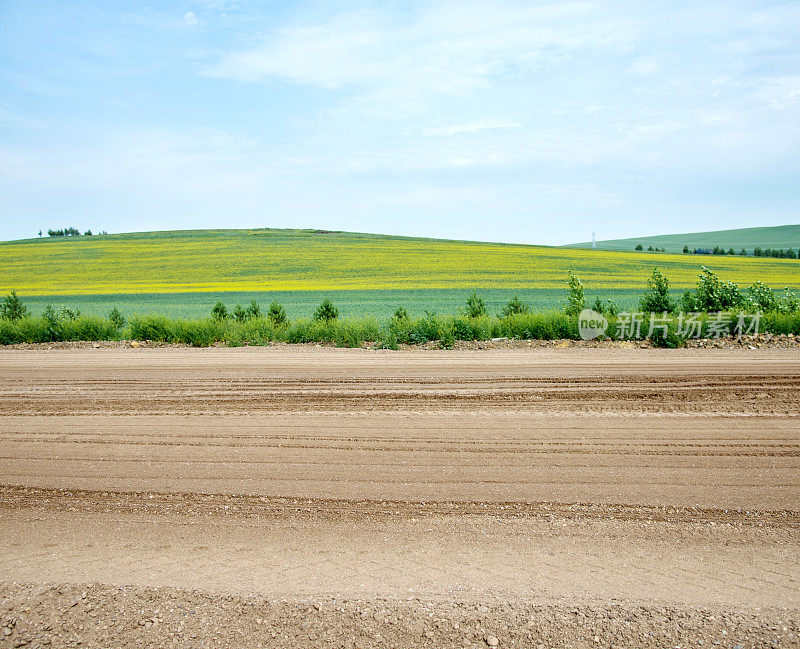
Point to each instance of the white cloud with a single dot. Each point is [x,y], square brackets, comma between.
[190,19]
[448,49]
[470,127]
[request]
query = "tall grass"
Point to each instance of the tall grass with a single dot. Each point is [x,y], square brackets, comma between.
[346,332]
[42,330]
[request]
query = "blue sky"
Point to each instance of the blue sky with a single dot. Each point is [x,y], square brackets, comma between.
[504,121]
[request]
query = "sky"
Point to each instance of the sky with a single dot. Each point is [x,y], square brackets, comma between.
[504,121]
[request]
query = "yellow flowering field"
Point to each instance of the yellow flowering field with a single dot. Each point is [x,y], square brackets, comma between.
[295,260]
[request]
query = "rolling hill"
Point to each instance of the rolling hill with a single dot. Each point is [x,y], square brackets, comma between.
[185,272]
[780,236]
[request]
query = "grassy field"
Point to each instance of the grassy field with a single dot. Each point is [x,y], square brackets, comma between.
[298,304]
[780,237]
[184,273]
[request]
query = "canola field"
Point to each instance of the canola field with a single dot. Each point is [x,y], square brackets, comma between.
[270,260]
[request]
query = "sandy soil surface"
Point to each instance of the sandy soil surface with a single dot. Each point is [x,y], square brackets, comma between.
[323,497]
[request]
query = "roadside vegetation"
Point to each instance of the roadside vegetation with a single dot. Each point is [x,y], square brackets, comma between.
[251,326]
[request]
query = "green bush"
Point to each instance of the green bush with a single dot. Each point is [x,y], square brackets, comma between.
[606,307]
[543,325]
[253,310]
[761,298]
[712,294]
[475,306]
[47,328]
[575,299]
[277,315]
[789,302]
[12,307]
[88,328]
[388,340]
[515,306]
[447,339]
[200,333]
[400,314]
[68,313]
[116,319]
[219,311]
[657,299]
[326,311]
[153,327]
[239,314]
[51,324]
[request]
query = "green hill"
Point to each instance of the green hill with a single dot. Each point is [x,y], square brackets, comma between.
[779,236]
[185,272]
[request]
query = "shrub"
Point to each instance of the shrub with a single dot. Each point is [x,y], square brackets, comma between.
[153,327]
[575,299]
[253,310]
[672,340]
[712,294]
[388,340]
[51,323]
[657,299]
[638,247]
[400,314]
[277,315]
[447,339]
[88,328]
[67,313]
[116,319]
[239,314]
[326,312]
[219,311]
[347,337]
[12,307]
[685,249]
[199,333]
[469,328]
[789,302]
[607,307]
[546,325]
[761,298]
[475,306]
[515,306]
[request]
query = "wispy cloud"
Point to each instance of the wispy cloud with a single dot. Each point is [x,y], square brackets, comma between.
[442,49]
[469,127]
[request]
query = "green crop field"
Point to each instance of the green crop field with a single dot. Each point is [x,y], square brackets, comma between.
[780,237]
[183,273]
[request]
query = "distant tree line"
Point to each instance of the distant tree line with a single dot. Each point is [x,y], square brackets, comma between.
[774,252]
[719,250]
[68,232]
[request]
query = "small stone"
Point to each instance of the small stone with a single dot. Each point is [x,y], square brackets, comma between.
[491,641]
[429,634]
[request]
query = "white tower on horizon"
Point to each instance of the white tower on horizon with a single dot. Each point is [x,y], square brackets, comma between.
[594,239]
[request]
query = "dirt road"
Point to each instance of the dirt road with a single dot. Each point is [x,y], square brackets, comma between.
[664,483]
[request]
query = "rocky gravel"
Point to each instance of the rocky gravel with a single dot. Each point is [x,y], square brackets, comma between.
[106,616]
[762,341]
